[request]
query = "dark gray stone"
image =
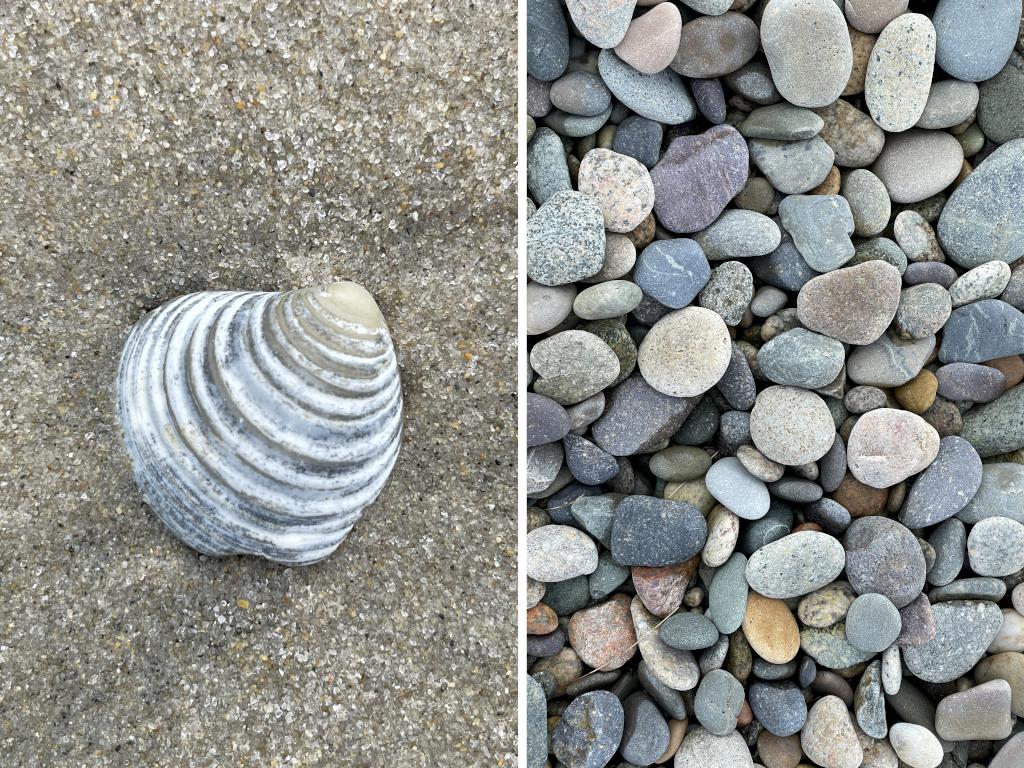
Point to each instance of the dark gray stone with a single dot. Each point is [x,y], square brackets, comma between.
[645,733]
[638,418]
[832,466]
[608,576]
[869,702]
[710,98]
[639,138]
[688,631]
[727,595]
[945,487]
[999,100]
[547,40]
[737,384]
[982,331]
[801,358]
[536,724]
[964,630]
[590,730]
[588,463]
[718,701]
[547,171]
[700,426]
[595,514]
[670,700]
[772,527]
[542,646]
[655,532]
[996,427]
[832,516]
[949,540]
[546,420]
[922,272]
[784,267]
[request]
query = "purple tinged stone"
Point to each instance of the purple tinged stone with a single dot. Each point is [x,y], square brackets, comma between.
[921,272]
[970,382]
[639,418]
[698,176]
[710,98]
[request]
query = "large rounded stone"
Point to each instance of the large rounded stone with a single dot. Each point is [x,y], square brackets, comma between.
[854,304]
[828,737]
[945,487]
[795,565]
[888,445]
[651,40]
[655,532]
[974,38]
[964,630]
[686,352]
[603,635]
[718,701]
[572,366]
[559,552]
[899,74]
[638,418]
[916,164]
[979,713]
[791,426]
[984,217]
[883,556]
[698,176]
[712,46]
[808,50]
[661,97]
[995,546]
[801,358]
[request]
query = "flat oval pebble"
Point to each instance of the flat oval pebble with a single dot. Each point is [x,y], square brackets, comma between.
[654,532]
[639,138]
[727,595]
[995,546]
[547,40]
[974,38]
[606,300]
[590,730]
[801,358]
[698,176]
[808,50]
[732,485]
[795,565]
[872,623]
[888,445]
[916,164]
[964,630]
[565,239]
[778,706]
[868,200]
[572,366]
[945,487]
[782,122]
[984,217]
[580,93]
[950,102]
[883,556]
[998,101]
[872,16]
[986,281]
[688,631]
[916,745]
[899,74]
[854,304]
[651,41]
[712,46]
[672,271]
[686,352]
[889,362]
[661,97]
[718,701]
[770,629]
[559,552]
[739,234]
[828,737]
[791,426]
[981,712]
[546,420]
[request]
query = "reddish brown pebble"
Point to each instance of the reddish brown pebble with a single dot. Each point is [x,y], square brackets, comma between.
[603,635]
[1011,367]
[662,589]
[807,527]
[541,620]
[861,500]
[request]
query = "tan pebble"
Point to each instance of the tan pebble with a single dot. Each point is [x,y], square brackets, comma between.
[603,635]
[565,667]
[723,532]
[830,186]
[643,235]
[918,394]
[779,751]
[807,527]
[770,629]
[759,465]
[826,606]
[693,492]
[862,43]
[676,732]
[541,620]
[861,500]
[1011,367]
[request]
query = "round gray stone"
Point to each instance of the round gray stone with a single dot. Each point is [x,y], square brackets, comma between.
[661,97]
[572,366]
[795,565]
[922,311]
[820,226]
[739,234]
[916,164]
[801,358]
[969,382]
[559,552]
[995,547]
[546,420]
[686,352]
[611,298]
[982,331]
[779,706]
[712,46]
[950,102]
[547,40]
[728,291]
[580,93]
[996,427]
[869,202]
[793,167]
[974,38]
[791,426]
[889,362]
[999,100]
[873,623]
[883,556]
[688,631]
[718,701]
[645,734]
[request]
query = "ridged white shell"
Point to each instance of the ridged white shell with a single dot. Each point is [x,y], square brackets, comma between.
[262,423]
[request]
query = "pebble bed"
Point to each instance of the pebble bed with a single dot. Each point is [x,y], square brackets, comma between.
[775,415]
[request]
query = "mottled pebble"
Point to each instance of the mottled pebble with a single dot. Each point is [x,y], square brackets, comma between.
[883,556]
[964,630]
[854,304]
[589,731]
[795,565]
[828,737]
[565,239]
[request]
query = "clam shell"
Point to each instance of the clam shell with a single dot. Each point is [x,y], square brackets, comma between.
[262,423]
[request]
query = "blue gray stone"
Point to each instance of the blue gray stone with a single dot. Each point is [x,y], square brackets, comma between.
[546,169]
[820,226]
[872,623]
[999,100]
[727,595]
[949,540]
[996,427]
[1001,494]
[575,126]
[670,700]
[737,384]
[718,701]
[793,167]
[672,271]
[640,138]
[688,631]
[588,463]
[546,420]
[974,38]
[710,98]
[645,734]
[779,706]
[784,267]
